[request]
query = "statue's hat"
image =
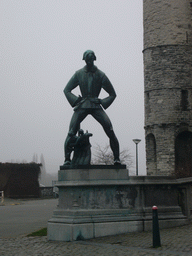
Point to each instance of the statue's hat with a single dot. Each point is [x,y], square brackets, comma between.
[88,52]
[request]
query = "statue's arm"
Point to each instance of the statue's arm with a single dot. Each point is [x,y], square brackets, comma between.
[72,84]
[108,87]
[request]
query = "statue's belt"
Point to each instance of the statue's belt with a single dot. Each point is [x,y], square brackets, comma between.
[82,101]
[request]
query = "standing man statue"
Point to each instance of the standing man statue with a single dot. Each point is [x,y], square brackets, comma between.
[90,80]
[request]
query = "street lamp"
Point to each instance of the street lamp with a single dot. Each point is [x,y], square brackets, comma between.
[136,141]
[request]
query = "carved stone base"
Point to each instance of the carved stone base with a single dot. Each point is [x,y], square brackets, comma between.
[101,202]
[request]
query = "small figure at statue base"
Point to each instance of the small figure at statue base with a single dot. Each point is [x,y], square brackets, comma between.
[81,147]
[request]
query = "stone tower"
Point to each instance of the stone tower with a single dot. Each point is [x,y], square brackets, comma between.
[168,86]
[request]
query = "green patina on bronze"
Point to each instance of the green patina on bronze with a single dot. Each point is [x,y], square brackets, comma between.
[90,81]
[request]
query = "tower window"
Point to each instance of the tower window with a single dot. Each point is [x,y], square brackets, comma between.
[147,98]
[184,100]
[147,104]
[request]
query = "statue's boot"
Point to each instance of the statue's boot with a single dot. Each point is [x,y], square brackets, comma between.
[117,161]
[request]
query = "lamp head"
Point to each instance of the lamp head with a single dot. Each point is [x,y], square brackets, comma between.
[136,141]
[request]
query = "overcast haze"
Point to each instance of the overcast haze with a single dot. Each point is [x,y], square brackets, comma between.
[42,44]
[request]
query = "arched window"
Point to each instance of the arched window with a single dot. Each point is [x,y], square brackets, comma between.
[183,155]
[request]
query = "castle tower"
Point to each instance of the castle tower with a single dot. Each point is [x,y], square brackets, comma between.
[168,86]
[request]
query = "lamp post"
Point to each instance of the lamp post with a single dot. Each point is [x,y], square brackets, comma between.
[136,141]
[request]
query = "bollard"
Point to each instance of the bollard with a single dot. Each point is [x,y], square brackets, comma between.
[156,234]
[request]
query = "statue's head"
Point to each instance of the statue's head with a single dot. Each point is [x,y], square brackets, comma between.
[87,53]
[89,57]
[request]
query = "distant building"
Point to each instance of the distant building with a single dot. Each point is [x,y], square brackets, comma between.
[19,180]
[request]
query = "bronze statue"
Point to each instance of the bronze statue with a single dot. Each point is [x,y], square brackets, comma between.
[90,80]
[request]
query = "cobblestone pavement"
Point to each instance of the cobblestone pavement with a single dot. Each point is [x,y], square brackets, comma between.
[175,241]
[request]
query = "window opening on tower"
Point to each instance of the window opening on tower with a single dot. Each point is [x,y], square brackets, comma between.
[184,100]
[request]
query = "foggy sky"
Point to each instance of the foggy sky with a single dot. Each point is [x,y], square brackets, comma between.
[42,44]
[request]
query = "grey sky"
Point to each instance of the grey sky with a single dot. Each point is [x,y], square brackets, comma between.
[42,43]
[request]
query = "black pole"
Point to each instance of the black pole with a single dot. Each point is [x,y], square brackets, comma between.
[136,160]
[156,234]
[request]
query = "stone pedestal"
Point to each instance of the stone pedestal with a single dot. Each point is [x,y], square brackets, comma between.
[104,200]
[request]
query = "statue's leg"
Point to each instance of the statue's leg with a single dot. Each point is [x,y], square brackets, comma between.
[103,119]
[74,126]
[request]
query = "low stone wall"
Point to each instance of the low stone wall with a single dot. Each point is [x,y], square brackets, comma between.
[185,196]
[96,202]
[46,192]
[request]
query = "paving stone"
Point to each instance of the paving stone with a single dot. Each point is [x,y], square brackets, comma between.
[175,242]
